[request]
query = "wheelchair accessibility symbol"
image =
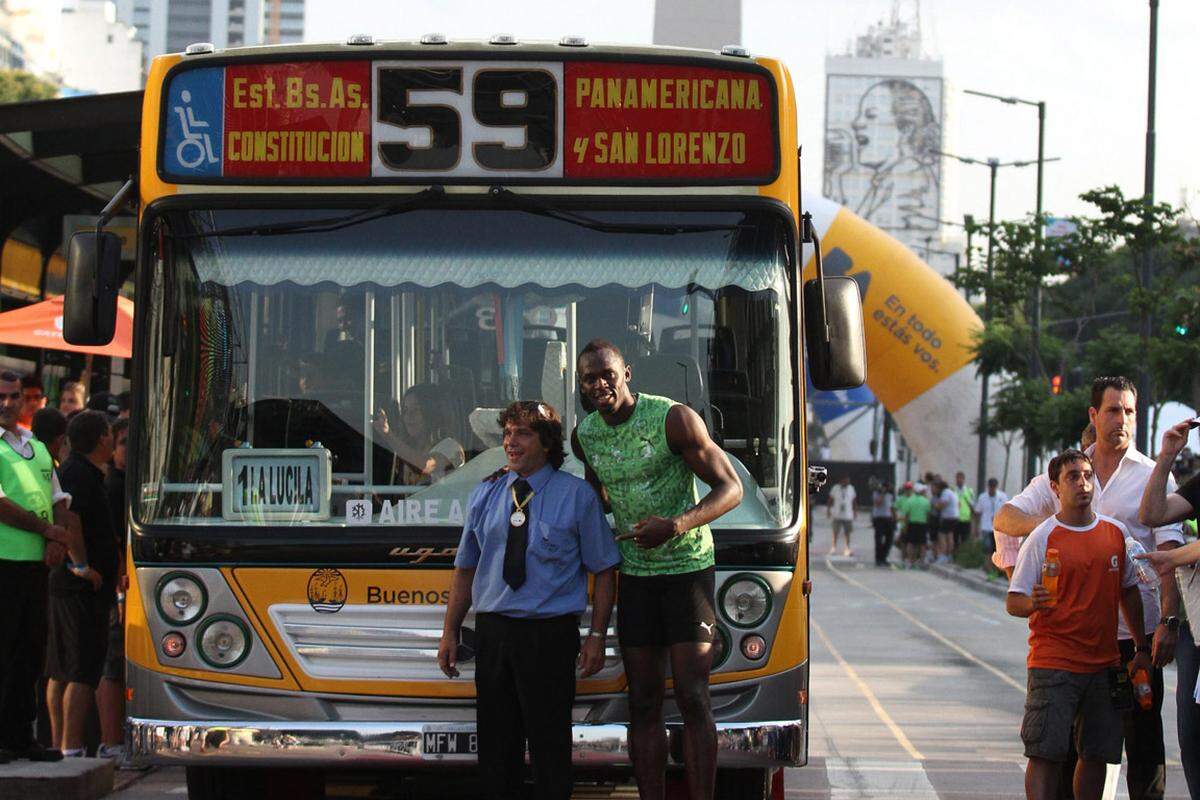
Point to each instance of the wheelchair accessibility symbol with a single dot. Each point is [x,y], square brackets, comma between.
[195,148]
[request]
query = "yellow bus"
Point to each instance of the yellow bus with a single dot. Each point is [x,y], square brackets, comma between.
[350,258]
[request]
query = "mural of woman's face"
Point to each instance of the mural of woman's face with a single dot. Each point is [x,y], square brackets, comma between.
[875,115]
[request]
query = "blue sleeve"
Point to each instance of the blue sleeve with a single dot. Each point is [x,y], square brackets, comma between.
[468,546]
[597,547]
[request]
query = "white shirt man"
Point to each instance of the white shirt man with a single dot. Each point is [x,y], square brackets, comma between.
[841,510]
[841,502]
[987,505]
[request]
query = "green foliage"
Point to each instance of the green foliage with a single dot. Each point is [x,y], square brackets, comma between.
[1094,307]
[17,86]
[970,554]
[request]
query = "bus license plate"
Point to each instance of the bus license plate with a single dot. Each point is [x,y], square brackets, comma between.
[448,742]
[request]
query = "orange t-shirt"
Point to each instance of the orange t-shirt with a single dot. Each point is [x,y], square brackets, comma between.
[1079,633]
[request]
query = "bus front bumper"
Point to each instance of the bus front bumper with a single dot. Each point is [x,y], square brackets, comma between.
[367,744]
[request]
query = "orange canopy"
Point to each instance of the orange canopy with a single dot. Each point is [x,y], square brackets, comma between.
[41,324]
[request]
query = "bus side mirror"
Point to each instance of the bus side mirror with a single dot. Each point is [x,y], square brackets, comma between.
[93,280]
[840,363]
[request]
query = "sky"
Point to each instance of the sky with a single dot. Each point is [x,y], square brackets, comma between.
[1087,59]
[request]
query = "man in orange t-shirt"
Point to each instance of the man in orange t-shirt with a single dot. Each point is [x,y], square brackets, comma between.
[1073,653]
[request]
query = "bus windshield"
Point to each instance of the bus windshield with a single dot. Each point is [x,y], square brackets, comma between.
[382,350]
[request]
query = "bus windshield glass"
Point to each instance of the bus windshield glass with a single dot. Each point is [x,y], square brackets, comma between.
[338,368]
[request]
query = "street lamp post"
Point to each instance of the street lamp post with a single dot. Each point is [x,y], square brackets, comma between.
[1144,395]
[993,165]
[1035,358]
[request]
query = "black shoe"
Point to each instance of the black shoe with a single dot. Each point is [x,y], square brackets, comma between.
[35,752]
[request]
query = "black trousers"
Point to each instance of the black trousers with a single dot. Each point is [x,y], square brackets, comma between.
[22,649]
[1144,751]
[885,533]
[525,682]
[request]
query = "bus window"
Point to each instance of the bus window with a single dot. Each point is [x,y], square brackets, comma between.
[389,346]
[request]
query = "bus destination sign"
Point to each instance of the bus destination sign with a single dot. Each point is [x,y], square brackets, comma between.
[276,483]
[349,121]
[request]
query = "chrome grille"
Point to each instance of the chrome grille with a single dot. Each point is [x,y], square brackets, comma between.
[381,642]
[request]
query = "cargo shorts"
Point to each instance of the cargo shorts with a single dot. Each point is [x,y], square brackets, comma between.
[1055,700]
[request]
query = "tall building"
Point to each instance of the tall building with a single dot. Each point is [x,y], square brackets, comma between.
[12,52]
[707,24]
[885,123]
[168,26]
[99,53]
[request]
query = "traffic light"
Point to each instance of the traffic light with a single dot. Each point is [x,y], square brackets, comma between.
[1056,384]
[1181,329]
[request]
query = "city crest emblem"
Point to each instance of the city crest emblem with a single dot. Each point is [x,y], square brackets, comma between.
[327,591]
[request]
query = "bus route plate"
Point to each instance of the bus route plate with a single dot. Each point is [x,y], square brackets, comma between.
[448,742]
[276,484]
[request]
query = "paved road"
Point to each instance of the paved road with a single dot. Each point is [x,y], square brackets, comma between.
[917,693]
[918,688]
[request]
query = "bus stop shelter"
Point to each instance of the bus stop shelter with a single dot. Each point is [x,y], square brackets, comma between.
[61,162]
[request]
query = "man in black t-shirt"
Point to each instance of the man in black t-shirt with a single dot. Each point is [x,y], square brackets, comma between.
[81,596]
[1160,508]
[110,696]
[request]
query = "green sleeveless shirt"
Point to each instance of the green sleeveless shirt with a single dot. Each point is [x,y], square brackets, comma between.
[26,481]
[644,478]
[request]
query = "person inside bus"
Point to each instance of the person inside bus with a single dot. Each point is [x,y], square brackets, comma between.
[423,454]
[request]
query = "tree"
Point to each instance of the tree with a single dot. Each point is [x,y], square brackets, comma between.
[17,86]
[1094,308]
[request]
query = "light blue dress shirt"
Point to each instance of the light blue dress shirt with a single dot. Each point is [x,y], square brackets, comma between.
[568,538]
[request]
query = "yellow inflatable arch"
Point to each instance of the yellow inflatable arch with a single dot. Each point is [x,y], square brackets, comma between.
[919,333]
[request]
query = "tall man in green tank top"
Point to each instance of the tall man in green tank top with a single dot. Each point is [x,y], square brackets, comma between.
[642,453]
[36,531]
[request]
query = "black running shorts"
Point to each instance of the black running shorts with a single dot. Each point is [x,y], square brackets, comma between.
[661,610]
[78,640]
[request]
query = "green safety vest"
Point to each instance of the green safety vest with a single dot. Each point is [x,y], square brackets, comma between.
[26,482]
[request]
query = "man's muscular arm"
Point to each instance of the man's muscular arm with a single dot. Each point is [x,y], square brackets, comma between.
[687,436]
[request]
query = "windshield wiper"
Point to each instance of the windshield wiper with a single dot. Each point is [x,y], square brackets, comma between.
[532,205]
[421,199]
[324,224]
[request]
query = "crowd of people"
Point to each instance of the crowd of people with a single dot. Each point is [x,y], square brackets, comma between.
[62,534]
[927,522]
[1069,544]
[1090,548]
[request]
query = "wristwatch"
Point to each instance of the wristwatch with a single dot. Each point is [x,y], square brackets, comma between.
[1172,623]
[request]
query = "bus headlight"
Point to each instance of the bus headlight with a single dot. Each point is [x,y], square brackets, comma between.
[745,600]
[181,598]
[224,641]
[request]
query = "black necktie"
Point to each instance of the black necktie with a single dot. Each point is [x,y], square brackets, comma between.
[518,538]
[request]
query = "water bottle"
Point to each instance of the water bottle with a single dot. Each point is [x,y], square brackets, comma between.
[1051,569]
[1146,574]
